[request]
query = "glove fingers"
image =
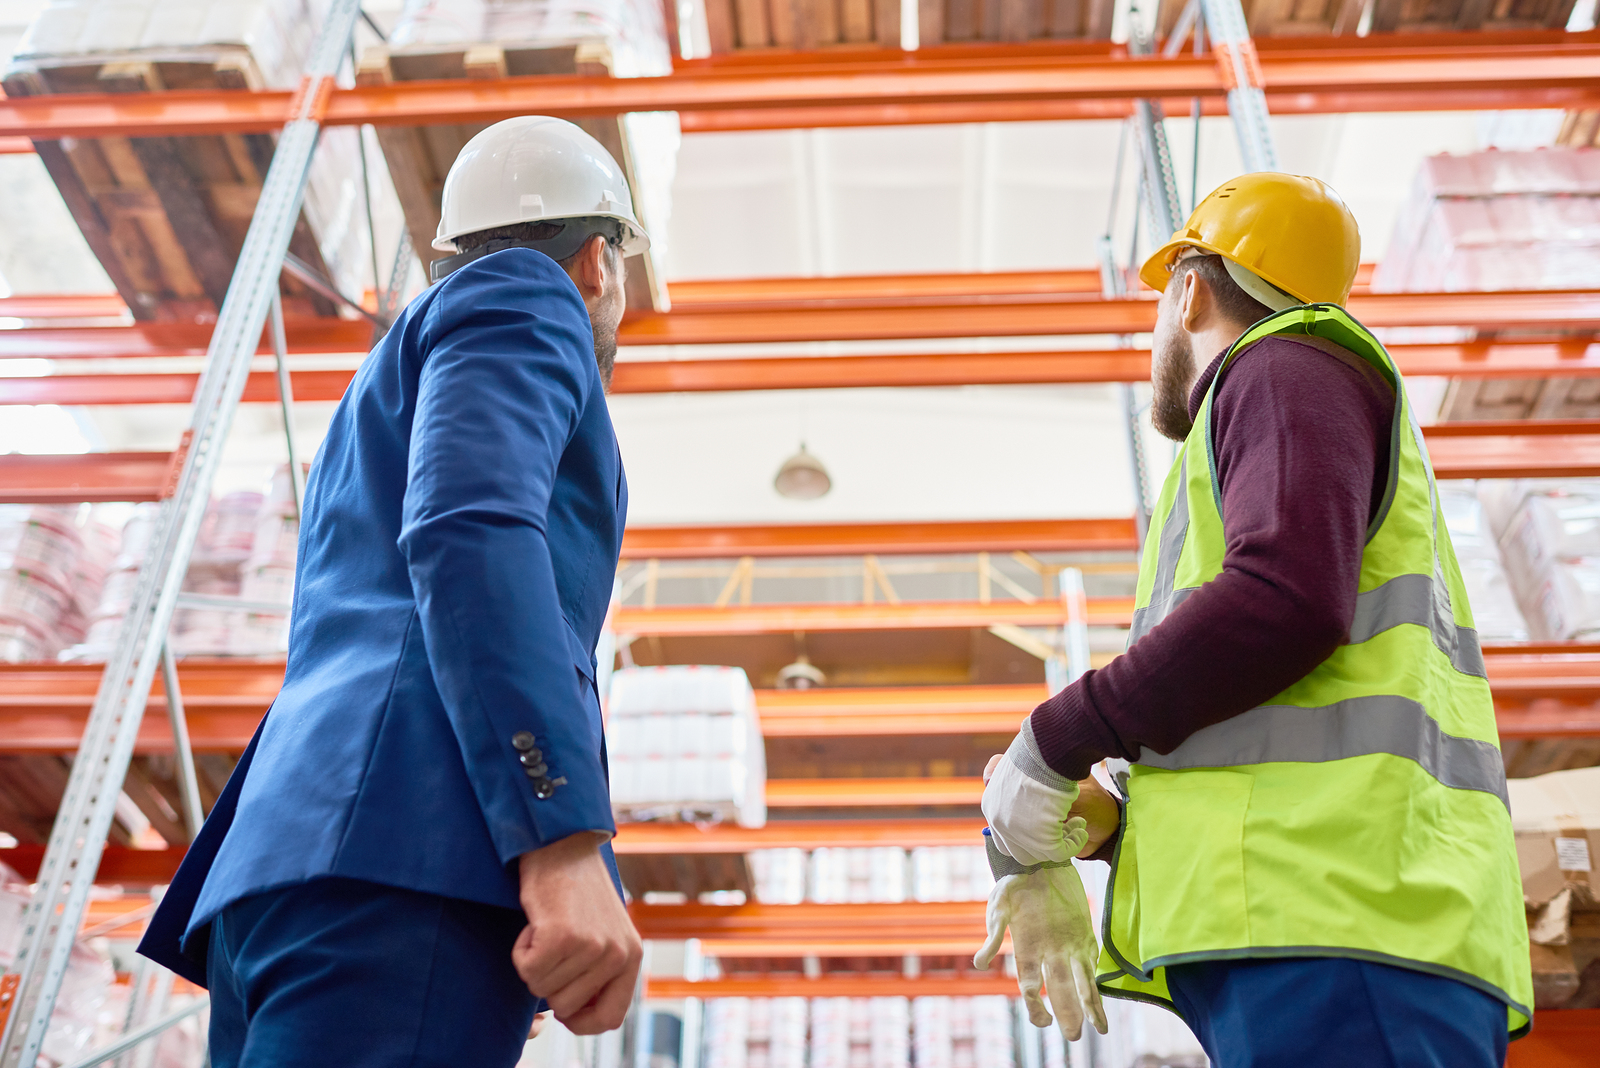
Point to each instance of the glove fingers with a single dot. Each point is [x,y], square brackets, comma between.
[995,917]
[1076,835]
[1089,994]
[1029,980]
[1064,999]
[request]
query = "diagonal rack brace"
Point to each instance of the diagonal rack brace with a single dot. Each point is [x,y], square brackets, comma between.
[89,801]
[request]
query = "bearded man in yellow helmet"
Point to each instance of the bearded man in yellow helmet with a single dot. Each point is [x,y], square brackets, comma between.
[1312,857]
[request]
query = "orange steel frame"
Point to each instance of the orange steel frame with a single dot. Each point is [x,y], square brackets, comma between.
[1574,358]
[854,539]
[973,314]
[1549,690]
[1470,71]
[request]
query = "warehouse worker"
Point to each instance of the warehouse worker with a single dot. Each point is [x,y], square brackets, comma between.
[413,849]
[1313,864]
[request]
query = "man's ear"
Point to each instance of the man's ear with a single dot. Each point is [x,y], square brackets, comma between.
[1194,303]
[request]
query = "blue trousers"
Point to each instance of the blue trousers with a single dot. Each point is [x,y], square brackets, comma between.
[1313,1012]
[349,974]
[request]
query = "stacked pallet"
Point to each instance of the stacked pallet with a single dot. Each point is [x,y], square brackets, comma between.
[1280,18]
[462,39]
[951,21]
[735,25]
[1447,16]
[166,217]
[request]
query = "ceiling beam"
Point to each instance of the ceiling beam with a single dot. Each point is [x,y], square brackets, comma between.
[1472,71]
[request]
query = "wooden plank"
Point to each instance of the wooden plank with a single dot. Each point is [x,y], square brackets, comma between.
[824,18]
[720,26]
[855,21]
[1064,19]
[930,22]
[886,22]
[781,19]
[1098,25]
[750,18]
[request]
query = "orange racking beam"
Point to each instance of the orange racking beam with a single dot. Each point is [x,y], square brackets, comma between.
[1575,358]
[167,340]
[1516,449]
[705,620]
[859,920]
[872,793]
[673,839]
[855,539]
[63,305]
[838,986]
[899,710]
[1450,72]
[762,319]
[1078,315]
[101,476]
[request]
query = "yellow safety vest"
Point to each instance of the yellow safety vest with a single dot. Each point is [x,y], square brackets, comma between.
[1360,813]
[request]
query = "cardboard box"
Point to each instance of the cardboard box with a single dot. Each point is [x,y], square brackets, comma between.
[1556,818]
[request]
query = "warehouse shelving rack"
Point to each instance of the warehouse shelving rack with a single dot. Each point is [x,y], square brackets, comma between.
[1551,692]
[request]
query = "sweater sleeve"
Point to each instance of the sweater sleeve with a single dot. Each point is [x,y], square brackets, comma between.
[1300,435]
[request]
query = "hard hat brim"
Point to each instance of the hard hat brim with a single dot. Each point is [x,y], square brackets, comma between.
[635,243]
[1156,275]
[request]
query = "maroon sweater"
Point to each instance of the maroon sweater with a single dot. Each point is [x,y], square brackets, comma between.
[1302,448]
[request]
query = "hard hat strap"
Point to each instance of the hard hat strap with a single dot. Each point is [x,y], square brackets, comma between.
[575,233]
[1274,298]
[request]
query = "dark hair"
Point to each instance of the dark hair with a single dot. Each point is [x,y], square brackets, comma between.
[1234,303]
[522,231]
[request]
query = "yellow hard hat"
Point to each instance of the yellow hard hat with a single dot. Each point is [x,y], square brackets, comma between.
[1290,231]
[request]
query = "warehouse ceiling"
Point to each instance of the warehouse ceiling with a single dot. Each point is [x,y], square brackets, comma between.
[994,197]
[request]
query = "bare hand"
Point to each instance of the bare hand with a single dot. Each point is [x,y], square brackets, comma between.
[580,951]
[1096,806]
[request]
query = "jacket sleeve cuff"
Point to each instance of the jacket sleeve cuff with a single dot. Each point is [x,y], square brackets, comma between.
[1068,733]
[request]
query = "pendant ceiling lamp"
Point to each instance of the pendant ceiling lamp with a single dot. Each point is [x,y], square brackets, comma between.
[802,477]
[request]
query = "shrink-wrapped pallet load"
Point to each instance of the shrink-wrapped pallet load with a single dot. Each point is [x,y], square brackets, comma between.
[685,743]
[1494,606]
[1551,547]
[166,216]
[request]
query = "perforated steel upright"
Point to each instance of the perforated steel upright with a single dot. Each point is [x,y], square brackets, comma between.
[89,801]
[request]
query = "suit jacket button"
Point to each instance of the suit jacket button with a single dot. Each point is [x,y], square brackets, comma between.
[522,741]
[544,789]
[532,757]
[535,771]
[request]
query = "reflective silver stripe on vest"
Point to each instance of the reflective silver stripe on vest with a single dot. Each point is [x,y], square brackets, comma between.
[1163,599]
[1359,726]
[1424,601]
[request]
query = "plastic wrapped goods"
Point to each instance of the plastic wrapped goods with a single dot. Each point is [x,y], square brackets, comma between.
[635,30]
[830,1033]
[84,988]
[685,742]
[877,873]
[48,571]
[1551,547]
[1498,220]
[1494,606]
[779,875]
[950,873]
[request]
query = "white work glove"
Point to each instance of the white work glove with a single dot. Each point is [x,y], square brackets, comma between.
[1037,893]
[1026,805]
[1052,938]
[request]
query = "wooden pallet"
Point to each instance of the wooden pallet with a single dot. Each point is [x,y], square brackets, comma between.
[735,25]
[1469,399]
[419,157]
[1280,18]
[1444,16]
[954,21]
[690,874]
[166,216]
[1580,129]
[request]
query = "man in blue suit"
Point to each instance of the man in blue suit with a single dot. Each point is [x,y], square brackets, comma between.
[412,852]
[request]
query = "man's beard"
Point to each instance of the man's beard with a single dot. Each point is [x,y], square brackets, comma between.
[604,327]
[1172,377]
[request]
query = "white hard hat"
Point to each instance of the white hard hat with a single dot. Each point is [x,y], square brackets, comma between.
[535,169]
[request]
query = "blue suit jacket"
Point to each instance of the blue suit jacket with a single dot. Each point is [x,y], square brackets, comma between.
[459,546]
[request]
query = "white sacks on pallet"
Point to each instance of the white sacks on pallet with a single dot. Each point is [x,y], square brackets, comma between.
[1494,607]
[1551,546]
[876,873]
[685,743]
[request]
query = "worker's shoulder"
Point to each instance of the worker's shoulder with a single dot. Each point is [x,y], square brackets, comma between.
[1300,366]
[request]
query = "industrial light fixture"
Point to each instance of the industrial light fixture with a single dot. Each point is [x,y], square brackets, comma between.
[802,477]
[800,675]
